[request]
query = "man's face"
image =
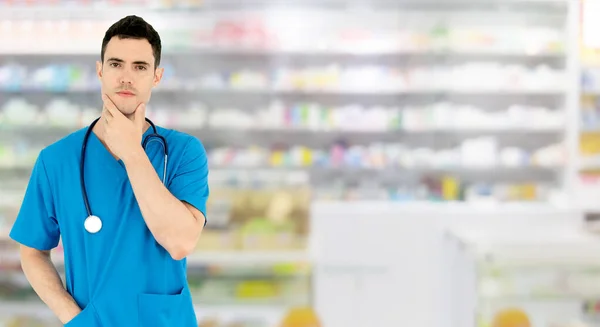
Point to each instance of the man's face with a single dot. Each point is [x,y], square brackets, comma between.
[127,74]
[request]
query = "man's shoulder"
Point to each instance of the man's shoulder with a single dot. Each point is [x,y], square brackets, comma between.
[174,134]
[178,139]
[64,146]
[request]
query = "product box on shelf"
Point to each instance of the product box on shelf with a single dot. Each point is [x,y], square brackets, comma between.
[257,219]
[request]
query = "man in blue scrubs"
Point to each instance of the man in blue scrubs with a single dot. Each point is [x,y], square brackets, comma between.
[132,272]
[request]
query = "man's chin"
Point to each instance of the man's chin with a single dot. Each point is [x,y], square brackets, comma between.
[126,110]
[128,113]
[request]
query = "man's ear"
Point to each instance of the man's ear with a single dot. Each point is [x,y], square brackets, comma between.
[158,74]
[99,69]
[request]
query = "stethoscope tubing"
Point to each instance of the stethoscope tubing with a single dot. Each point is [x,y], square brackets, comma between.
[148,138]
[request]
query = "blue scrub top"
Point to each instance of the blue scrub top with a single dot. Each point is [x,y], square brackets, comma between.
[120,276]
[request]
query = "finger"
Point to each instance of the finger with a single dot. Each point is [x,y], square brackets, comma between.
[140,115]
[110,106]
[106,115]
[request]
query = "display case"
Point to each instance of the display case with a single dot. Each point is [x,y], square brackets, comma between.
[548,277]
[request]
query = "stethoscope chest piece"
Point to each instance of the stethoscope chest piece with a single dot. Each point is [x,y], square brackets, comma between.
[93,224]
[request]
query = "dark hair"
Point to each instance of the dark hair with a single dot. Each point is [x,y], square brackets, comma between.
[133,27]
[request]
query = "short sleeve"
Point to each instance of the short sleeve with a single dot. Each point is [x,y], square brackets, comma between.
[36,225]
[190,181]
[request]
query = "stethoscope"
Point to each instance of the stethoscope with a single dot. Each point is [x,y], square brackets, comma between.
[93,224]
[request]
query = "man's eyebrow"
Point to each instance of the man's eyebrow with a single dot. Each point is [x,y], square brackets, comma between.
[139,62]
[115,59]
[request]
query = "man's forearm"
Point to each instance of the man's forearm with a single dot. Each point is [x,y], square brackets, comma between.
[172,224]
[45,281]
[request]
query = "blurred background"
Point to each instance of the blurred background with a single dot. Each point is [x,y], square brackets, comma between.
[427,163]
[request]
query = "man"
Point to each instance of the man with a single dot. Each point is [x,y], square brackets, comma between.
[130,271]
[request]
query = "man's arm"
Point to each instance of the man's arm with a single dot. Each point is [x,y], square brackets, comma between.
[45,281]
[36,230]
[175,221]
[175,224]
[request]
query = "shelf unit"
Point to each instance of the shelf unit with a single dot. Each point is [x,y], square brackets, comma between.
[406,87]
[403,101]
[587,165]
[227,314]
[547,279]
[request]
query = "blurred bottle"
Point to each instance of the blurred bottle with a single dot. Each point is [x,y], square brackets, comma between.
[511,318]
[301,317]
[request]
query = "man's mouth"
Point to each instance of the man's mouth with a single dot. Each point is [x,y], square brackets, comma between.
[125,93]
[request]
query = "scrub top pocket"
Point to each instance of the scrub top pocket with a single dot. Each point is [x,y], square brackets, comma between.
[158,310]
[86,318]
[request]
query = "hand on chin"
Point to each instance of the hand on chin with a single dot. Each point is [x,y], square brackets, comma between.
[122,132]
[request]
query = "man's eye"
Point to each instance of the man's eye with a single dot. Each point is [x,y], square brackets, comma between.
[142,67]
[114,64]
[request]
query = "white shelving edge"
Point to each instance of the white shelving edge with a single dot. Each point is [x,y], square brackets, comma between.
[555,246]
[249,257]
[272,314]
[226,258]
[572,100]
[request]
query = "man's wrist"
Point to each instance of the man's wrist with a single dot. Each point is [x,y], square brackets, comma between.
[134,156]
[70,313]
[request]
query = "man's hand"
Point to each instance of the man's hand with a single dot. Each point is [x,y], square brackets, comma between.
[122,136]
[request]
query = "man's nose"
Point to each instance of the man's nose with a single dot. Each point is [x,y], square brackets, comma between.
[126,77]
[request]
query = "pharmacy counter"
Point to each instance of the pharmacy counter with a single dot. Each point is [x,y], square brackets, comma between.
[547,276]
[386,264]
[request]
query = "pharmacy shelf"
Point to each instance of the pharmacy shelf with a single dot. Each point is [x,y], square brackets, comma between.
[334,92]
[590,163]
[211,258]
[25,308]
[269,54]
[9,199]
[105,8]
[212,4]
[588,156]
[58,130]
[249,258]
[373,172]
[37,307]
[271,314]
[235,137]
